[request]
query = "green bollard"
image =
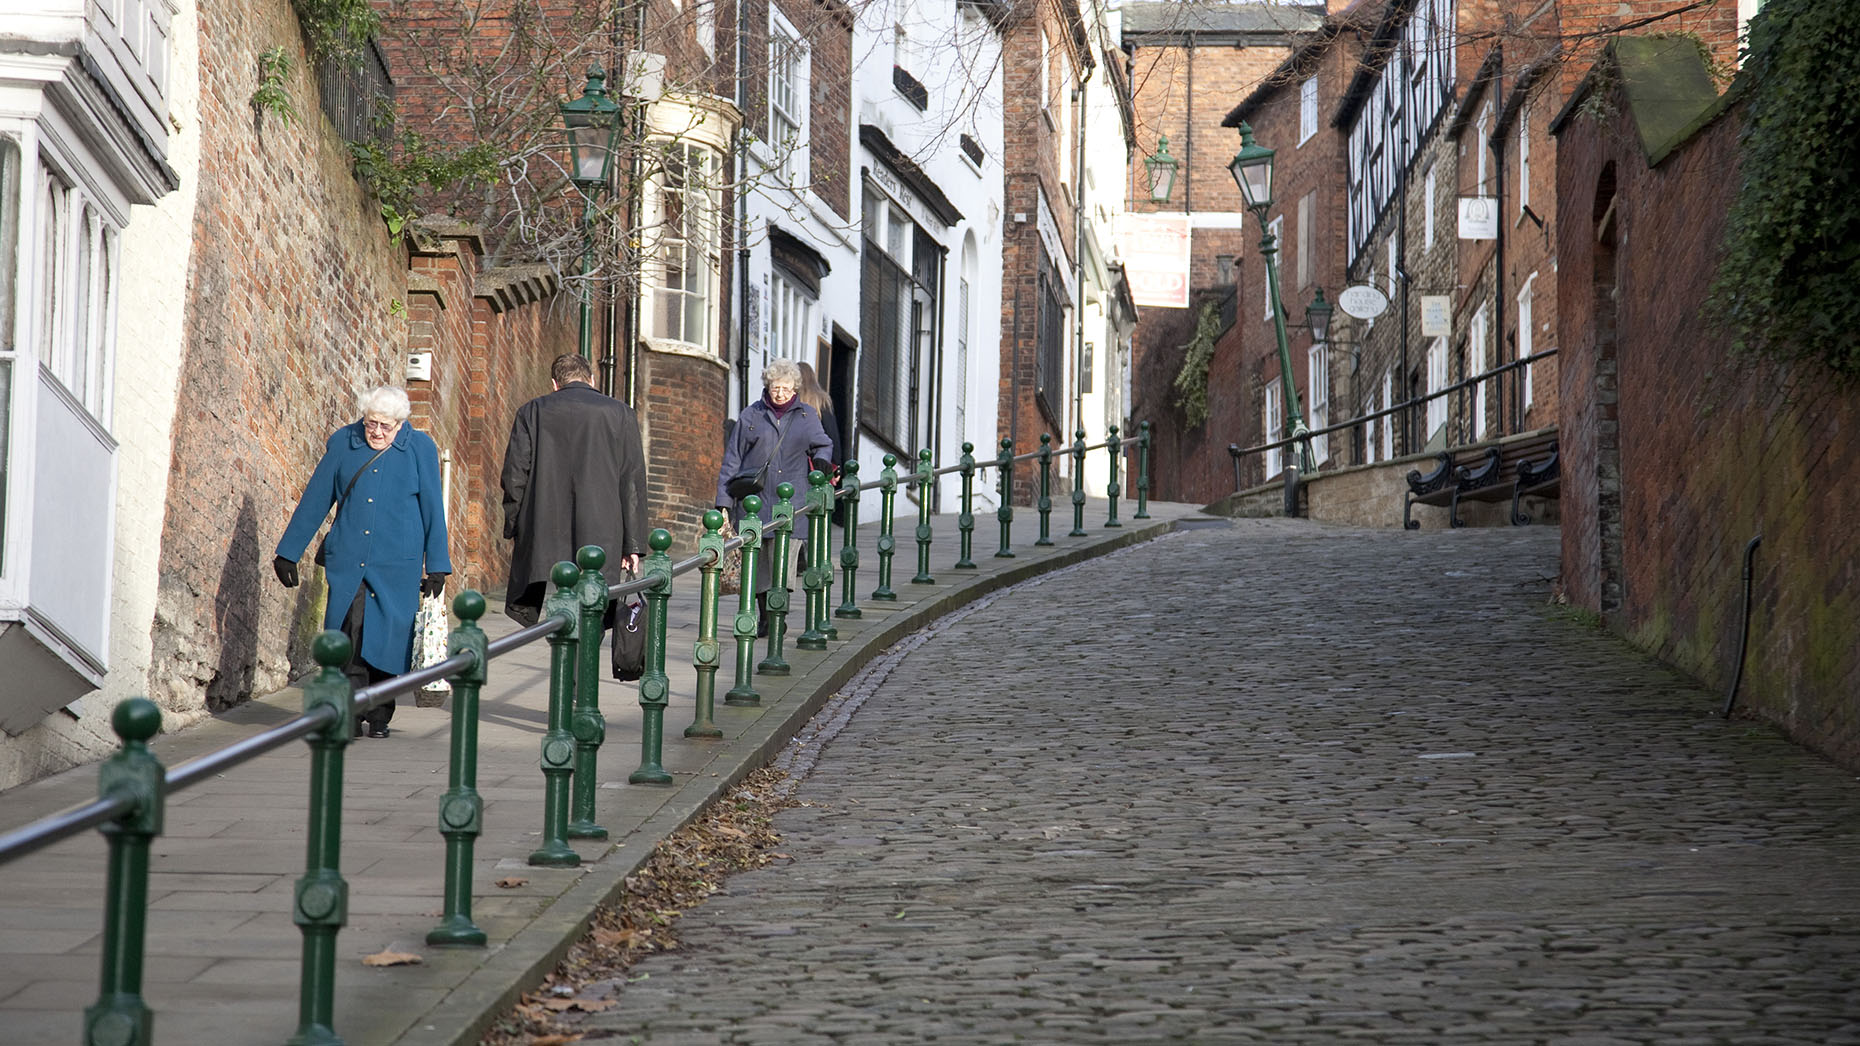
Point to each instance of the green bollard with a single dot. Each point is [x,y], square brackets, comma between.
[924,479]
[1110,490]
[1143,471]
[965,520]
[654,687]
[823,551]
[461,809]
[120,1016]
[849,548]
[743,627]
[588,726]
[1045,502]
[1004,465]
[706,651]
[1078,486]
[558,744]
[887,545]
[814,578]
[780,530]
[320,902]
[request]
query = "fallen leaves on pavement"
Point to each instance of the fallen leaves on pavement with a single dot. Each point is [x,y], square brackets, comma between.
[391,959]
[736,834]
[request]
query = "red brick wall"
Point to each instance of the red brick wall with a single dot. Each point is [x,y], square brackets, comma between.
[1714,447]
[292,286]
[682,416]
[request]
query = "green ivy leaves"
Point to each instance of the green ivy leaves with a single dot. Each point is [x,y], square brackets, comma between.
[1789,286]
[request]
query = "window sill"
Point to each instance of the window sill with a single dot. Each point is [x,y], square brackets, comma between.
[689,349]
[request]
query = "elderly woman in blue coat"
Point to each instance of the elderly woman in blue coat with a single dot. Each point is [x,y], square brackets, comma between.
[783,433]
[387,545]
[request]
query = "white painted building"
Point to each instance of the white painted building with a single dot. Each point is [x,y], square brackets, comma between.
[927,156]
[1107,318]
[94,123]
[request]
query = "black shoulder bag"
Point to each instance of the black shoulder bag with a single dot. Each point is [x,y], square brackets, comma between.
[322,554]
[751,481]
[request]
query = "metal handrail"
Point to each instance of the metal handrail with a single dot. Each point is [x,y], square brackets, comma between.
[1235,451]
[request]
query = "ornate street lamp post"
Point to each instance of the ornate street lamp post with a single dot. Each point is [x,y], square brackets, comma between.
[593,121]
[1161,169]
[1252,170]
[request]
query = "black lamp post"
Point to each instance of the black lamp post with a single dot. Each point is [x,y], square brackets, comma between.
[593,122]
[1161,168]
[1252,171]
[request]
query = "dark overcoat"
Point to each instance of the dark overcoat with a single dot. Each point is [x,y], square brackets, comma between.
[753,441]
[390,530]
[574,474]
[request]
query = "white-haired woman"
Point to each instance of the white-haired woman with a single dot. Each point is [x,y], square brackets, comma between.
[387,545]
[784,433]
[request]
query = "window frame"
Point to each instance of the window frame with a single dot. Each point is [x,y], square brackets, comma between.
[790,75]
[659,244]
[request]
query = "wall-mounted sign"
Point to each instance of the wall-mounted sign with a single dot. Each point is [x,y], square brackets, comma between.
[1478,218]
[1156,259]
[1363,301]
[1436,315]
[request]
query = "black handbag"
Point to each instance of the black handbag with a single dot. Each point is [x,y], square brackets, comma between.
[322,554]
[751,481]
[629,645]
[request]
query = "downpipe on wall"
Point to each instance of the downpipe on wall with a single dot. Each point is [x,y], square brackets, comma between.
[1743,632]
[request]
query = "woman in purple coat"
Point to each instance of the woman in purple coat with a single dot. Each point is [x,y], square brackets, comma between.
[382,477]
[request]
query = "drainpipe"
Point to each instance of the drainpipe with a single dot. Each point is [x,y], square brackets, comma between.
[1497,144]
[742,214]
[1078,257]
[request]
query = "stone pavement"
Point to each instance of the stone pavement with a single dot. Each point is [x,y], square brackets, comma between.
[1277,782]
[223,956]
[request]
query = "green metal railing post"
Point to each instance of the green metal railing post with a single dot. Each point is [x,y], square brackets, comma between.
[1143,471]
[461,809]
[120,1017]
[965,521]
[320,901]
[924,479]
[1078,485]
[825,540]
[743,626]
[1004,465]
[887,544]
[849,548]
[1045,502]
[588,726]
[781,531]
[814,578]
[558,744]
[706,651]
[1110,490]
[654,688]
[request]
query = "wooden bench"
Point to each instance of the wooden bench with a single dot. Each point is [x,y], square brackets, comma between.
[1511,471]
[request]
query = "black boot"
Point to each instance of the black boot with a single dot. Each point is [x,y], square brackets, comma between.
[762,615]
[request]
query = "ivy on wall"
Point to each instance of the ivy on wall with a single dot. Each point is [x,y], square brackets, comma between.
[1789,286]
[1191,382]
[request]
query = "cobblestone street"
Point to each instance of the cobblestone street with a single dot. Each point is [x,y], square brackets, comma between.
[1282,783]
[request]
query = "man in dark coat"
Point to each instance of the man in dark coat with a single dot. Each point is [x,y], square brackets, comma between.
[574,474]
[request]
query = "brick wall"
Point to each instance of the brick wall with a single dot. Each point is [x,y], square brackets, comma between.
[292,287]
[682,416]
[1714,447]
[493,334]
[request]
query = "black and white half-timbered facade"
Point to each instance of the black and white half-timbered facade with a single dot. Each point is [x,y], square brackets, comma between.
[1406,94]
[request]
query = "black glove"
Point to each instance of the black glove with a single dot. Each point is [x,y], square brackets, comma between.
[286,569]
[433,585]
